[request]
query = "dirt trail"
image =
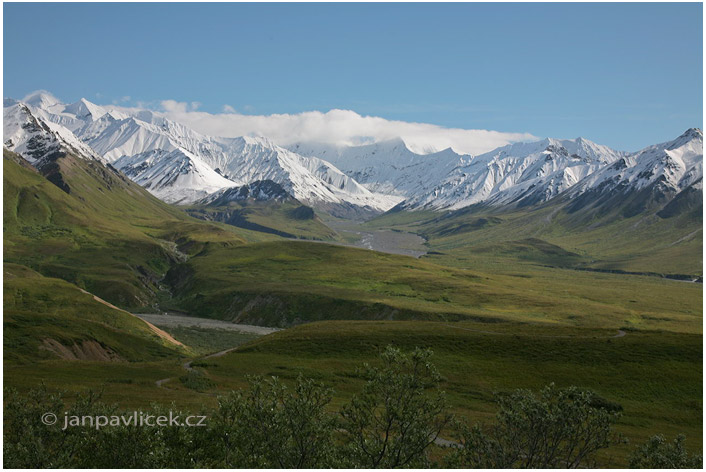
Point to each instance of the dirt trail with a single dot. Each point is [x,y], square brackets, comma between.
[167,319]
[187,365]
[162,334]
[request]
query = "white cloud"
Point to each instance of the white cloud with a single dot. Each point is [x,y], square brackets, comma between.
[172,106]
[122,99]
[343,127]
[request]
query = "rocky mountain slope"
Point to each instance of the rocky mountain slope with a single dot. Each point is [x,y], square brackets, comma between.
[666,177]
[522,173]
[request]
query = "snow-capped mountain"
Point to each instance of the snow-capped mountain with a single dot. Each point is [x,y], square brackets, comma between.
[37,139]
[175,176]
[71,116]
[676,164]
[521,173]
[388,167]
[309,179]
[649,178]
[180,165]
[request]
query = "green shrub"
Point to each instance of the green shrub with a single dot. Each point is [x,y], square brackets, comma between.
[554,428]
[271,426]
[658,453]
[399,413]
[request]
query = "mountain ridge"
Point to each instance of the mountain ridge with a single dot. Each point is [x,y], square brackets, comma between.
[180,165]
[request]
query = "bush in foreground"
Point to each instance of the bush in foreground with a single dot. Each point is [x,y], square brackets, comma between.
[555,428]
[399,413]
[272,427]
[658,453]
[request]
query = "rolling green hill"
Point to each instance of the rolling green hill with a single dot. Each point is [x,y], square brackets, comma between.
[285,282]
[95,234]
[655,376]
[110,237]
[550,236]
[106,234]
[288,219]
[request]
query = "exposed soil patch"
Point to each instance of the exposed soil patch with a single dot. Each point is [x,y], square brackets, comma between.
[88,350]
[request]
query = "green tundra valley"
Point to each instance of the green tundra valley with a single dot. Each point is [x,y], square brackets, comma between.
[108,289]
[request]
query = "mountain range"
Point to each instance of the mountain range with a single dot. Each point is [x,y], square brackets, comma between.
[180,165]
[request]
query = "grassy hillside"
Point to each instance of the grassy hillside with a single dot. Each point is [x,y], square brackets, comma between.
[99,234]
[106,235]
[548,235]
[110,237]
[45,318]
[655,376]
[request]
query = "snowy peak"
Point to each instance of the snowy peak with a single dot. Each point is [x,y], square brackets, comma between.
[579,148]
[589,150]
[675,164]
[85,110]
[257,141]
[179,165]
[309,179]
[665,179]
[116,138]
[520,173]
[388,167]
[690,143]
[36,139]
[71,116]
[692,134]
[175,176]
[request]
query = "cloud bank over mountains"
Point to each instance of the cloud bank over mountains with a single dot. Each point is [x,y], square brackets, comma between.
[341,127]
[338,127]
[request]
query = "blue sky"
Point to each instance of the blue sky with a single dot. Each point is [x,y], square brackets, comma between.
[625,75]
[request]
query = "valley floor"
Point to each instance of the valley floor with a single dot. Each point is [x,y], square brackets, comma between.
[381,240]
[171,320]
